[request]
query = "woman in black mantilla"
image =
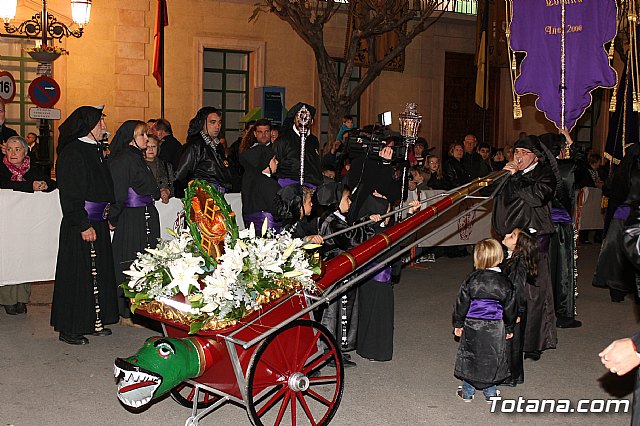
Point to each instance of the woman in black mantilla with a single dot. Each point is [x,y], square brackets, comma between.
[85,192]
[133,217]
[525,202]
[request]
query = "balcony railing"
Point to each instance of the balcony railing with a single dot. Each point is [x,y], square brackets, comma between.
[465,7]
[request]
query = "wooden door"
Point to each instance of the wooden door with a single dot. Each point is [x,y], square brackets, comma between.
[461,115]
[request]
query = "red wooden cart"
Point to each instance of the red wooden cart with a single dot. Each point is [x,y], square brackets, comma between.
[278,362]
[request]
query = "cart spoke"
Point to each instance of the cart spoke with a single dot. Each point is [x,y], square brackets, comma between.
[322,380]
[316,363]
[311,346]
[271,367]
[266,384]
[305,407]
[283,407]
[283,354]
[321,399]
[293,408]
[269,404]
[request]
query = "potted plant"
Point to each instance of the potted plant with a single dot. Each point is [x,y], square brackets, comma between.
[46,54]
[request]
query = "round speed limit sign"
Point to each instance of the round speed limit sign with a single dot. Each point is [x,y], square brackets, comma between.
[7,86]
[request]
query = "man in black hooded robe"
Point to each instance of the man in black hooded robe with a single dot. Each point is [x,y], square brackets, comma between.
[287,148]
[525,202]
[84,295]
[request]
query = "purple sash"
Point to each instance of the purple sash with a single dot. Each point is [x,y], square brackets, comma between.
[97,211]
[487,309]
[383,275]
[560,216]
[286,182]
[136,200]
[258,219]
[622,212]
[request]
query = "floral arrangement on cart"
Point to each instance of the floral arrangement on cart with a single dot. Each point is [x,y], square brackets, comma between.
[211,275]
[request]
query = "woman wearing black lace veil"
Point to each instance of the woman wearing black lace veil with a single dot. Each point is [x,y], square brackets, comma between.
[82,302]
[133,216]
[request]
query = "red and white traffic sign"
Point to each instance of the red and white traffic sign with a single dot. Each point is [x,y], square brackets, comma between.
[7,86]
[44,92]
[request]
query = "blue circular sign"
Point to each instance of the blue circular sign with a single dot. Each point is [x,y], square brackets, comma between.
[44,92]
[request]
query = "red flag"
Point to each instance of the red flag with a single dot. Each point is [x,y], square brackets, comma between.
[162,20]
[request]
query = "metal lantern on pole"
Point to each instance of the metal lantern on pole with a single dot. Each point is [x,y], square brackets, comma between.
[410,122]
[409,125]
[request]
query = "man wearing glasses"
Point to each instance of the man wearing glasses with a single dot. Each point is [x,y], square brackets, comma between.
[525,203]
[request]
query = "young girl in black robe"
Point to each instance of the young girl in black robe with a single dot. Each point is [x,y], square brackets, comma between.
[484,317]
[521,267]
[335,198]
[375,296]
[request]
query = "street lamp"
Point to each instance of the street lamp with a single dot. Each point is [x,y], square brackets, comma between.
[45,26]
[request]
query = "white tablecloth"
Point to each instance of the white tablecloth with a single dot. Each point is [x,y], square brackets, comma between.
[29,227]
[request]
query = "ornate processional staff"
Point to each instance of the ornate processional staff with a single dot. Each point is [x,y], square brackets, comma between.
[304,120]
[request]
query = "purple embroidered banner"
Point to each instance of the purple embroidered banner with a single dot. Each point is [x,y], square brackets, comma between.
[536,29]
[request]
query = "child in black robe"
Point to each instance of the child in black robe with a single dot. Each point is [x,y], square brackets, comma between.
[375,296]
[521,267]
[335,198]
[484,317]
[259,188]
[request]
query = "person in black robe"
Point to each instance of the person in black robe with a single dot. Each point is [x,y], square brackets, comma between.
[613,270]
[133,217]
[335,198]
[367,176]
[375,296]
[287,148]
[203,157]
[521,267]
[525,202]
[622,356]
[82,302]
[562,248]
[260,199]
[484,316]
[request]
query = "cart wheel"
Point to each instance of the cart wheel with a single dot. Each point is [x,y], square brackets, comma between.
[295,373]
[183,394]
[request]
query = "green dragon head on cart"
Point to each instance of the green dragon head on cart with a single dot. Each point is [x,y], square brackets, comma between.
[159,366]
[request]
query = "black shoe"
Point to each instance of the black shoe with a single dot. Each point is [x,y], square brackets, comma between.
[509,382]
[535,355]
[11,309]
[585,242]
[73,339]
[21,308]
[348,363]
[345,363]
[568,323]
[103,332]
